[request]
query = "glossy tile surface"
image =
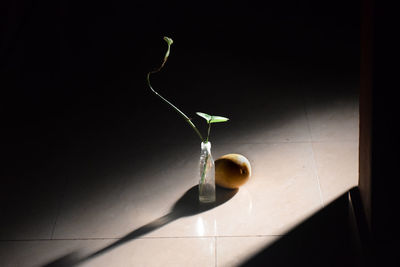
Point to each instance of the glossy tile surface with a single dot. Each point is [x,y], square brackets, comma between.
[282,190]
[160,252]
[333,116]
[233,251]
[112,202]
[303,150]
[337,166]
[139,252]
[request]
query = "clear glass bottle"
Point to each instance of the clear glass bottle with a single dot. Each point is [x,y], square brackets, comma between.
[207,174]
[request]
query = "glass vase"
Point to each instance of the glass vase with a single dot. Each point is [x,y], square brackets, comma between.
[207,174]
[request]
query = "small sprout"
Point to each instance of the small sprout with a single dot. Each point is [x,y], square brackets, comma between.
[209,118]
[168,40]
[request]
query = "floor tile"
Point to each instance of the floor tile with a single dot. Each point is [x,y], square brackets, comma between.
[282,191]
[31,205]
[140,252]
[333,117]
[35,253]
[111,201]
[303,151]
[337,165]
[160,252]
[283,176]
[268,121]
[233,251]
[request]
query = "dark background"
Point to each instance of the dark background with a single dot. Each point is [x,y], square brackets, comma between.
[74,70]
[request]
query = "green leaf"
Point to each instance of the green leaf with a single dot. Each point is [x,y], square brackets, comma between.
[205,116]
[212,119]
[215,119]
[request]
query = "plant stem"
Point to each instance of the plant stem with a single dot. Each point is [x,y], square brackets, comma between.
[187,119]
[208,132]
[206,160]
[203,175]
[174,107]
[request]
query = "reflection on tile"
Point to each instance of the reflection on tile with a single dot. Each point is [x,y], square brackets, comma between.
[197,225]
[233,251]
[283,176]
[282,190]
[140,252]
[337,165]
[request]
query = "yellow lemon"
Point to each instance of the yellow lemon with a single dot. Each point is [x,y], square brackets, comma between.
[232,171]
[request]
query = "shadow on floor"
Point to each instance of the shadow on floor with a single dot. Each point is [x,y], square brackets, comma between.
[187,205]
[334,236]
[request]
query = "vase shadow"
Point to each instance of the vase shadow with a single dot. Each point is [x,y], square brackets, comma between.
[187,205]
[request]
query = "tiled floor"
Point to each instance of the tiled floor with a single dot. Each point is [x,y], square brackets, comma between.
[303,155]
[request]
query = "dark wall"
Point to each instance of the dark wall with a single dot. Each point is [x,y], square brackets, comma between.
[385,142]
[379,143]
[54,48]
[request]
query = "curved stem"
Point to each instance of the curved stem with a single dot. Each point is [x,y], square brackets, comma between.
[187,119]
[173,106]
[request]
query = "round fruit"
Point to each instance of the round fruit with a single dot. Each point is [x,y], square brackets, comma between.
[232,171]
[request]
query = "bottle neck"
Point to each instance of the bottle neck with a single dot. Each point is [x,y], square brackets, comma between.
[206,146]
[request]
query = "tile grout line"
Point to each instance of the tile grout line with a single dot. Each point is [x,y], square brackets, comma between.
[281,142]
[59,207]
[118,238]
[313,154]
[215,251]
[307,120]
[317,175]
